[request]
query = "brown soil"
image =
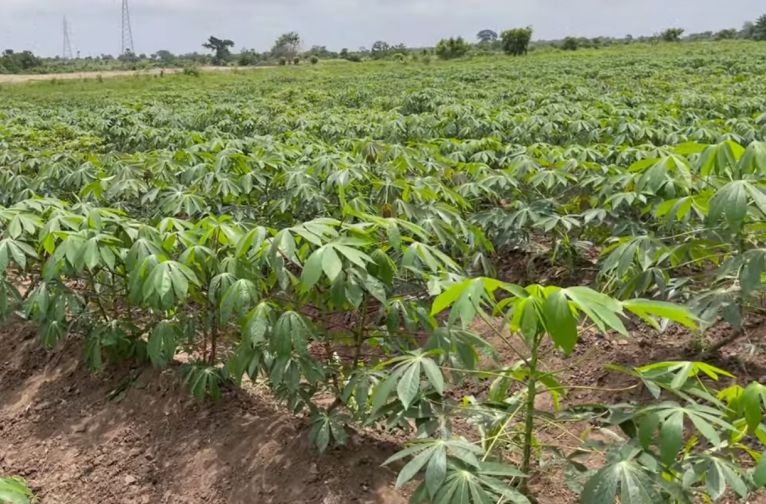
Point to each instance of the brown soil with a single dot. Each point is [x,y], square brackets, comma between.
[592,383]
[155,444]
[20,78]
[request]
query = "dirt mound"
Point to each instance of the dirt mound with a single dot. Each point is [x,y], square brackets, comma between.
[152,443]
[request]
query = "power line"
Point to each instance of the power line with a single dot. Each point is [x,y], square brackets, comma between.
[127,32]
[67,53]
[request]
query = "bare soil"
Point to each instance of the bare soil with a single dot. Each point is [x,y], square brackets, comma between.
[155,444]
[21,78]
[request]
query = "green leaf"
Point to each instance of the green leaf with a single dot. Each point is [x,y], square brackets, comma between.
[382,392]
[559,322]
[409,384]
[671,437]
[413,467]
[751,402]
[331,263]
[14,491]
[312,269]
[436,470]
[759,474]
[625,477]
[434,375]
[645,308]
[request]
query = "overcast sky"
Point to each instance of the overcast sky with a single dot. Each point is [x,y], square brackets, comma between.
[182,25]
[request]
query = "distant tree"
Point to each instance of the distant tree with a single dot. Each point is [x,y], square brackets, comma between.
[486,36]
[399,48]
[248,57]
[380,49]
[344,53]
[165,57]
[220,47]
[321,52]
[15,62]
[451,48]
[748,30]
[128,57]
[570,44]
[759,28]
[516,41]
[729,33]
[287,46]
[672,34]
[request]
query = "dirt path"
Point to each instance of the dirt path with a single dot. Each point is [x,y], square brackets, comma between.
[154,444]
[20,78]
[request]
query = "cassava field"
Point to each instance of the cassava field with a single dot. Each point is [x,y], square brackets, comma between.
[498,280]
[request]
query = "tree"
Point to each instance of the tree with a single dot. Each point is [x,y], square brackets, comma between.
[759,28]
[220,47]
[451,48]
[15,62]
[165,57]
[516,41]
[287,46]
[729,33]
[570,44]
[380,49]
[747,31]
[672,34]
[248,57]
[486,36]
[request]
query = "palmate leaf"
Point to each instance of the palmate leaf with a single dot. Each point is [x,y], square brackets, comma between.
[167,284]
[163,342]
[625,480]
[649,310]
[203,380]
[675,374]
[733,201]
[237,298]
[14,250]
[671,418]
[408,374]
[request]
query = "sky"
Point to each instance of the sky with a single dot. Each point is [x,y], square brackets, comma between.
[181,26]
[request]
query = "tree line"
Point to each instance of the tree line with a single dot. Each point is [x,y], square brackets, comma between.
[288,49]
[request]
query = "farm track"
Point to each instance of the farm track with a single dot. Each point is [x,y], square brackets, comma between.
[22,78]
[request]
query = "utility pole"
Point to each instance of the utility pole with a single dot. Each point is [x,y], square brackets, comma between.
[67,53]
[127,32]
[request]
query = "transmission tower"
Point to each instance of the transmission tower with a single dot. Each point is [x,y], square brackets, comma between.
[127,32]
[67,53]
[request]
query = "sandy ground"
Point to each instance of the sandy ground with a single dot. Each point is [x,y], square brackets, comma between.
[19,78]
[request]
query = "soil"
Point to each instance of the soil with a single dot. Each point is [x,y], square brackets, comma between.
[20,78]
[153,443]
[592,383]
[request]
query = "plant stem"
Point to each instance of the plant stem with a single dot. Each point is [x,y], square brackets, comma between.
[529,424]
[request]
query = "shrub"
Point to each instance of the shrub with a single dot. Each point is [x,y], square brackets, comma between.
[516,41]
[570,44]
[672,34]
[314,60]
[191,70]
[451,48]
